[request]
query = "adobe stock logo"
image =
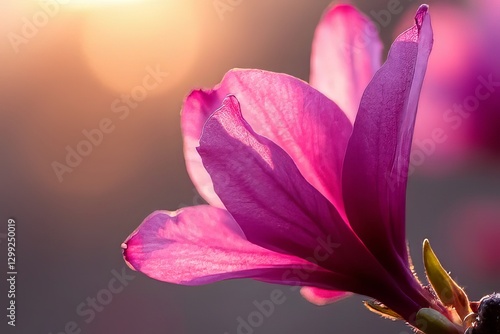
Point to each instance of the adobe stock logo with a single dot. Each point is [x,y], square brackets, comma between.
[264,309]
[121,108]
[31,26]
[223,6]
[452,119]
[88,310]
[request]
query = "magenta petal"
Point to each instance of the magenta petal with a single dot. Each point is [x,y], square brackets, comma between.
[267,197]
[203,244]
[295,116]
[261,187]
[322,297]
[345,54]
[274,205]
[376,163]
[196,109]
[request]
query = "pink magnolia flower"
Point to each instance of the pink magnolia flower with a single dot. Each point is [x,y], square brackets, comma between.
[303,190]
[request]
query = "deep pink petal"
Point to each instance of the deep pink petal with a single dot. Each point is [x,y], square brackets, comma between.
[302,121]
[322,297]
[203,244]
[345,54]
[443,137]
[261,187]
[274,206]
[376,164]
[278,209]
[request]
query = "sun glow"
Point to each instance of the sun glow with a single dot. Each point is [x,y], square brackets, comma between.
[121,44]
[91,4]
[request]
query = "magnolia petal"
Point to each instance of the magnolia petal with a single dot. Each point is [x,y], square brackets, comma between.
[448,80]
[203,244]
[277,209]
[322,297]
[346,52]
[377,158]
[264,191]
[196,109]
[261,187]
[303,122]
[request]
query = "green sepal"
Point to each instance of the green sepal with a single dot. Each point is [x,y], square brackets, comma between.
[448,291]
[430,321]
[381,309]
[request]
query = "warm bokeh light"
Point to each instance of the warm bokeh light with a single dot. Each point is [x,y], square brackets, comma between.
[100,2]
[91,4]
[120,44]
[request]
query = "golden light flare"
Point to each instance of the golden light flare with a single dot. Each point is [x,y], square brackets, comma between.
[90,4]
[120,45]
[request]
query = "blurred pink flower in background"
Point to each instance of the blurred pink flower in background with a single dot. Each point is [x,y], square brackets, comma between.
[459,112]
[298,194]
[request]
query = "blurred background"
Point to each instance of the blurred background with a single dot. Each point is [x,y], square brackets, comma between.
[108,78]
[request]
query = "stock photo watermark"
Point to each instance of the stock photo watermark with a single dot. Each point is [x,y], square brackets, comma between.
[11,271]
[120,107]
[30,26]
[381,18]
[453,119]
[88,309]
[264,309]
[223,6]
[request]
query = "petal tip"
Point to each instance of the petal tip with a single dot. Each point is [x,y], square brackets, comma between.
[342,7]
[231,100]
[420,15]
[126,256]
